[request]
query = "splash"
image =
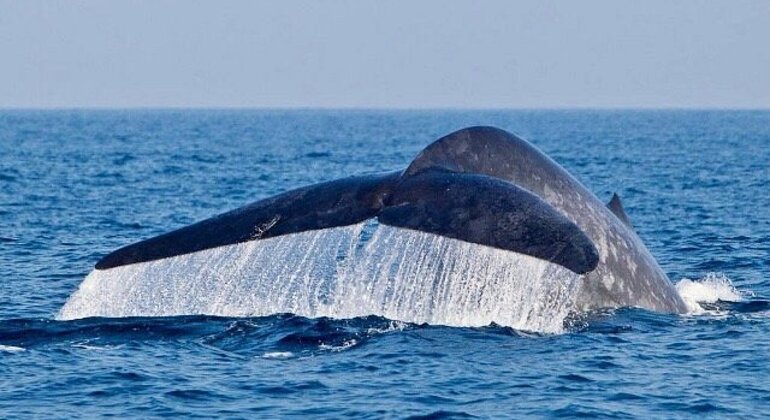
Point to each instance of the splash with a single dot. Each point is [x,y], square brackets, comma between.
[710,289]
[346,272]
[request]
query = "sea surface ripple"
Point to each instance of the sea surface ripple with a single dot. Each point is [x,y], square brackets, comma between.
[76,184]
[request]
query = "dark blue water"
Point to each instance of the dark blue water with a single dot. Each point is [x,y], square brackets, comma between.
[75,185]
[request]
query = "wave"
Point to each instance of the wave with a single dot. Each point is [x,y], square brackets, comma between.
[279,337]
[711,289]
[286,336]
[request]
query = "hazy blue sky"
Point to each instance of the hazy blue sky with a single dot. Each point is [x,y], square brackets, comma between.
[486,54]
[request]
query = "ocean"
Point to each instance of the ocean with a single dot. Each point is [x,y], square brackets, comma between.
[77,184]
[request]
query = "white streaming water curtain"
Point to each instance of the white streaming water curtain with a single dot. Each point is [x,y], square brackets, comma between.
[363,269]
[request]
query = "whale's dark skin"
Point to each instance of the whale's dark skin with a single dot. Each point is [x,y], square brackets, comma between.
[480,185]
[469,207]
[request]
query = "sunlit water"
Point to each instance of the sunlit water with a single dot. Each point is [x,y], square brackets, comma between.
[76,185]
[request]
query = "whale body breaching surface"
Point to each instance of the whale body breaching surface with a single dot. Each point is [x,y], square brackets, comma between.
[480,228]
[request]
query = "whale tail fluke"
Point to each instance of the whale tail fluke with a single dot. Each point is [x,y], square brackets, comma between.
[448,190]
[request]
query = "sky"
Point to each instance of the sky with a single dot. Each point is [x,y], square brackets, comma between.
[385,54]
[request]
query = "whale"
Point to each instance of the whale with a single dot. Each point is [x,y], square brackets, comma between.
[481,227]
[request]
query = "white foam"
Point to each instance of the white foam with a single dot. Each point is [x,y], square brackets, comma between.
[712,288]
[392,326]
[278,355]
[343,272]
[344,346]
[11,349]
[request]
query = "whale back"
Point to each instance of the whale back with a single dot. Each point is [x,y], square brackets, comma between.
[627,274]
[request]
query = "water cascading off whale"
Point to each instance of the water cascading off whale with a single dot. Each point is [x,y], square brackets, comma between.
[481,227]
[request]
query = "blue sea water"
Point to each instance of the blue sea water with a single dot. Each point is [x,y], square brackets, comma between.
[75,185]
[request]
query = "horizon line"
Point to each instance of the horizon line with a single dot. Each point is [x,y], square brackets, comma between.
[377,108]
